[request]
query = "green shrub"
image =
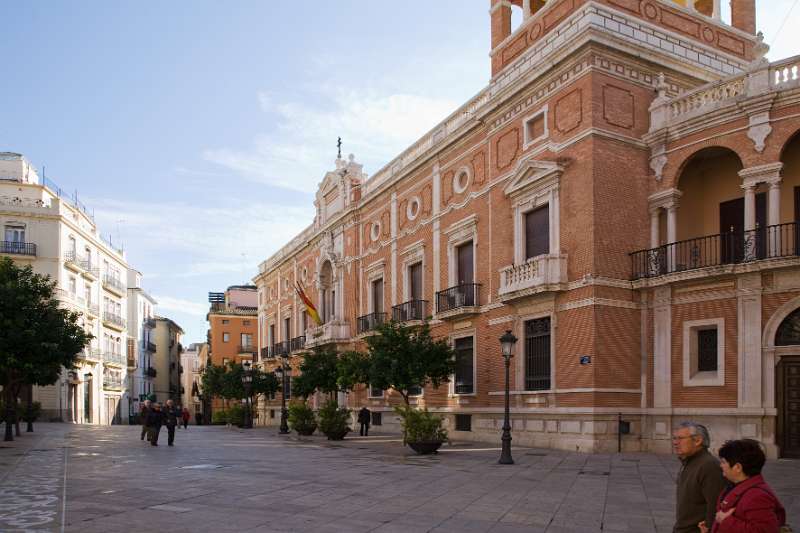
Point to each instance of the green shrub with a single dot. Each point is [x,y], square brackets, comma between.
[219,418]
[419,425]
[36,411]
[301,418]
[333,420]
[236,415]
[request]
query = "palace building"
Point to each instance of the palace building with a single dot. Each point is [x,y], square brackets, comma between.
[623,196]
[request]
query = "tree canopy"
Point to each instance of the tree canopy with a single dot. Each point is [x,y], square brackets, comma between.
[37,337]
[405,357]
[226,381]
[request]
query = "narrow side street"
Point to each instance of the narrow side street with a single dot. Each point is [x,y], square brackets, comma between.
[218,479]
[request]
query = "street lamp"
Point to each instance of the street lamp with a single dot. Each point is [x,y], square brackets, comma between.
[282,371]
[507,342]
[247,381]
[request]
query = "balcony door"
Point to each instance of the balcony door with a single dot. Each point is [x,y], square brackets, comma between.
[466,273]
[415,281]
[537,232]
[733,242]
[377,296]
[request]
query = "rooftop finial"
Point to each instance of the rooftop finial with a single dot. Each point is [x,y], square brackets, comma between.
[339,145]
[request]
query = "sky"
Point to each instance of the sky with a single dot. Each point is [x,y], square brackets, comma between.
[198,131]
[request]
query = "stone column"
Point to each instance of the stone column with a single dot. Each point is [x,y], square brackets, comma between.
[655,233]
[749,206]
[526,9]
[743,15]
[672,235]
[748,292]
[501,21]
[662,347]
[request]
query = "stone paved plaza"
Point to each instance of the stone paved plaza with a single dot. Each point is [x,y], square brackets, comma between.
[92,479]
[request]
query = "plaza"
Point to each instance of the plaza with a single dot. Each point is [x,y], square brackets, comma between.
[104,479]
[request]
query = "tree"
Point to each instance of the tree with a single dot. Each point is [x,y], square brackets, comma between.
[405,357]
[37,337]
[352,368]
[317,373]
[225,382]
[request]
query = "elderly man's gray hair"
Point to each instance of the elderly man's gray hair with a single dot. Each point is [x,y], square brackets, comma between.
[699,430]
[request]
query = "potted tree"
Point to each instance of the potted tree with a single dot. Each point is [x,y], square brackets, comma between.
[301,418]
[405,358]
[333,420]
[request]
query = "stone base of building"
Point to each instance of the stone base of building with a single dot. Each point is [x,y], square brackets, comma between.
[599,433]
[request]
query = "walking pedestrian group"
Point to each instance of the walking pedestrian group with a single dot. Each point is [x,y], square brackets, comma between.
[726,494]
[153,417]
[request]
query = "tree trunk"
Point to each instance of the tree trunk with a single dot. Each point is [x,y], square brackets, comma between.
[9,410]
[30,410]
[16,412]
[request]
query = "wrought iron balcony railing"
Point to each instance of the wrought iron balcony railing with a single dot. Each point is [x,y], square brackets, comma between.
[112,383]
[280,348]
[150,372]
[18,248]
[730,248]
[460,296]
[113,358]
[113,318]
[248,348]
[297,343]
[94,309]
[410,310]
[371,321]
[113,283]
[149,346]
[266,352]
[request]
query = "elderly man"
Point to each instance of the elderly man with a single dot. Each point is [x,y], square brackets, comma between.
[700,480]
[144,410]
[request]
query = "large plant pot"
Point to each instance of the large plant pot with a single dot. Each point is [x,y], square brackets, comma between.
[306,432]
[425,448]
[337,435]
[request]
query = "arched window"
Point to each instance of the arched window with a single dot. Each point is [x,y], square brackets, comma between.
[789,331]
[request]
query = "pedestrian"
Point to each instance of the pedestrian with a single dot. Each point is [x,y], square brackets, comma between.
[364,416]
[700,480]
[171,415]
[747,503]
[154,420]
[144,410]
[185,415]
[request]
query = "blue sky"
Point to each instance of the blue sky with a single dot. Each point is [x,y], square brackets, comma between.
[198,131]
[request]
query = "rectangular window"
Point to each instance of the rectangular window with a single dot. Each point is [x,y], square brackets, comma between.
[463,422]
[245,322]
[73,286]
[415,391]
[247,339]
[707,350]
[537,354]
[287,328]
[465,272]
[537,232]
[226,337]
[415,281]
[377,419]
[271,335]
[225,321]
[377,296]
[87,293]
[15,234]
[465,373]
[375,392]
[536,128]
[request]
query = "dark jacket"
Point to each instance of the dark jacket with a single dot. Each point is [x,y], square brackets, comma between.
[757,508]
[171,416]
[363,416]
[700,483]
[143,412]
[155,418]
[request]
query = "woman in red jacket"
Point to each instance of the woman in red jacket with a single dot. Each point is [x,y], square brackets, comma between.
[748,505]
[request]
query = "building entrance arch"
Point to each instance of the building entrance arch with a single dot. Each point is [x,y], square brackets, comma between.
[782,370]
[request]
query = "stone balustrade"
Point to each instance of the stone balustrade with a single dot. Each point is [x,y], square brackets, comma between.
[534,275]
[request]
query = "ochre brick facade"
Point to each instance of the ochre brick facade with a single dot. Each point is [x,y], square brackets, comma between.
[611,114]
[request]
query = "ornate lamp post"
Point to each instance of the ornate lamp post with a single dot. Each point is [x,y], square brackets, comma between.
[247,381]
[282,371]
[507,342]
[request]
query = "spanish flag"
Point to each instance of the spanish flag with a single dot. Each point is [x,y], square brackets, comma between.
[310,309]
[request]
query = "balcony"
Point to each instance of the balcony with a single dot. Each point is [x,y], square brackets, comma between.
[149,346]
[538,274]
[279,349]
[18,248]
[459,300]
[150,324]
[93,309]
[718,253]
[113,321]
[112,358]
[89,270]
[410,310]
[150,372]
[113,285]
[330,332]
[247,349]
[297,343]
[267,352]
[73,261]
[91,354]
[112,383]
[370,322]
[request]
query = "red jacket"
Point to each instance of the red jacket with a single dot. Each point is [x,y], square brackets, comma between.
[757,508]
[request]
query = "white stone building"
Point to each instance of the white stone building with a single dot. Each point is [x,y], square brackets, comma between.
[190,378]
[57,235]
[141,341]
